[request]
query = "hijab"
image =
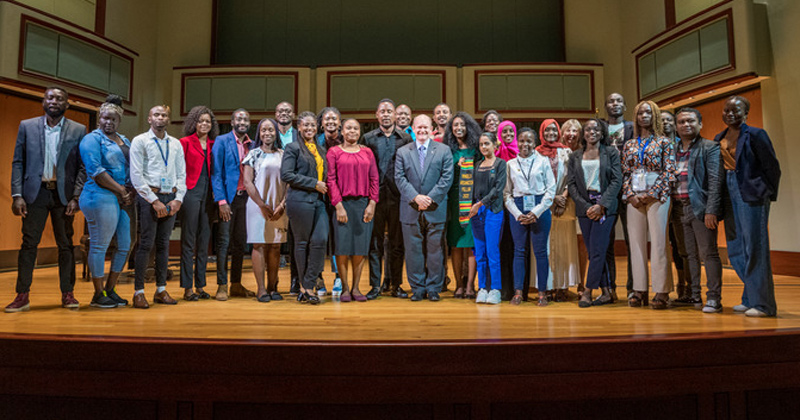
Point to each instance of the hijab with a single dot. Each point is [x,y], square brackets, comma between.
[507,151]
[548,148]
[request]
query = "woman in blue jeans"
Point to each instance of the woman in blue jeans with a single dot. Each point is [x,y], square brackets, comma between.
[594,178]
[529,193]
[486,217]
[105,155]
[752,175]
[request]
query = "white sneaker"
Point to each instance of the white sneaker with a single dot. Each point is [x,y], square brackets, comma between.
[494,297]
[337,287]
[712,306]
[482,296]
[740,308]
[755,313]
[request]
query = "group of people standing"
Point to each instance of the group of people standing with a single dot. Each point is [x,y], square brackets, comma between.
[436,185]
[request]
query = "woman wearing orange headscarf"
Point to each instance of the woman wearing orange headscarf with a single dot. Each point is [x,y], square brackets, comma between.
[564,265]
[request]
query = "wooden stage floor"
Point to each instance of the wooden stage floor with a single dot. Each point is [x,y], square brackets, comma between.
[383,320]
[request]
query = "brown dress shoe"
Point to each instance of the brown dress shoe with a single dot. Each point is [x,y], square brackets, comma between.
[237,290]
[164,298]
[222,292]
[139,301]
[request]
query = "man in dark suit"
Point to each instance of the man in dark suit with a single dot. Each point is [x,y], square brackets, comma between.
[619,131]
[226,182]
[47,178]
[284,115]
[384,142]
[423,173]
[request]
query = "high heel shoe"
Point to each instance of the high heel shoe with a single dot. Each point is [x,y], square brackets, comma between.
[306,297]
[638,299]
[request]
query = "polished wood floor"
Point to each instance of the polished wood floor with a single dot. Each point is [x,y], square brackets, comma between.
[383,320]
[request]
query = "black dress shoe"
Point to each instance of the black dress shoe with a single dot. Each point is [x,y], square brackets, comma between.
[416,297]
[374,293]
[398,292]
[434,297]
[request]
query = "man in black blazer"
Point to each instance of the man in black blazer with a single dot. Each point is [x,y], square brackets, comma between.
[47,177]
[619,132]
[384,142]
[423,173]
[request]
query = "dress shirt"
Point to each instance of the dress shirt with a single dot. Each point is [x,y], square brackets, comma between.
[243,147]
[52,138]
[530,176]
[147,164]
[286,138]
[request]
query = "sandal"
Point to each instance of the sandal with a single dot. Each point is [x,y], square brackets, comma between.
[470,295]
[602,300]
[191,297]
[516,300]
[264,298]
[203,295]
[275,296]
[659,303]
[637,299]
[459,295]
[542,301]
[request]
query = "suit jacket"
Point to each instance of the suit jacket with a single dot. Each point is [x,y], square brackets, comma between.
[299,170]
[385,156]
[610,180]
[433,180]
[195,157]
[28,164]
[757,169]
[225,168]
[705,178]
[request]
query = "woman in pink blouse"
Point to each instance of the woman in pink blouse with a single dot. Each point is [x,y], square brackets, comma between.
[648,169]
[353,182]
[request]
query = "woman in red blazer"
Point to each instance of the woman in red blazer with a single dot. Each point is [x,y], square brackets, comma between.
[200,129]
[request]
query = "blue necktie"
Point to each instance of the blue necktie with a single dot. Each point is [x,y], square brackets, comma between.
[421,158]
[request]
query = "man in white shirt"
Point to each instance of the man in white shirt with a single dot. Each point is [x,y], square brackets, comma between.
[158,172]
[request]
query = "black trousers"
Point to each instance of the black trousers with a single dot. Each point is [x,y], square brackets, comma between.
[387,218]
[153,231]
[232,238]
[309,222]
[195,234]
[47,202]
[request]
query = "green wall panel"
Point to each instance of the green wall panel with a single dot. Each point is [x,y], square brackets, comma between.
[83,63]
[197,91]
[311,33]
[40,47]
[714,46]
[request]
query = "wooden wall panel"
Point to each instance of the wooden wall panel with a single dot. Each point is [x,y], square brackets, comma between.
[15,109]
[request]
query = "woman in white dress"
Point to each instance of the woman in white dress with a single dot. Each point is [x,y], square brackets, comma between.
[564,264]
[267,223]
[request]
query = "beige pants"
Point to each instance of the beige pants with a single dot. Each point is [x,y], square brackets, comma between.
[651,219]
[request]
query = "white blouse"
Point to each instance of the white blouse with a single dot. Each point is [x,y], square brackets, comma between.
[530,176]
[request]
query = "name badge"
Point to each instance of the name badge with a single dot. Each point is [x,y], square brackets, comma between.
[528,203]
[639,181]
[166,184]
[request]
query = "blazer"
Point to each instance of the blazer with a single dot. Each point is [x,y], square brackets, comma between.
[225,168]
[299,171]
[194,155]
[27,166]
[497,179]
[757,169]
[385,156]
[610,180]
[433,180]
[705,178]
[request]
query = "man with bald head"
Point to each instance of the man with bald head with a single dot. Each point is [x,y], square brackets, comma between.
[424,173]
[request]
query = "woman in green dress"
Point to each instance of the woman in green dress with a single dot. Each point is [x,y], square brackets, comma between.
[462,134]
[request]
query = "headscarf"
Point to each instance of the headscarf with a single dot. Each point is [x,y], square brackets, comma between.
[548,148]
[507,151]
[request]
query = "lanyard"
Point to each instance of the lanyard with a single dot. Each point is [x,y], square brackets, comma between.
[164,157]
[643,149]
[528,174]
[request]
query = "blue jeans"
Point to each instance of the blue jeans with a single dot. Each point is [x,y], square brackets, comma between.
[487,228]
[105,219]
[538,234]
[748,247]
[597,238]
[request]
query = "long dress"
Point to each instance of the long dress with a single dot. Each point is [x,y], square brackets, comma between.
[564,260]
[458,235]
[267,168]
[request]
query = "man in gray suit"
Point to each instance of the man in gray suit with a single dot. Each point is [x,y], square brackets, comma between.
[47,178]
[423,174]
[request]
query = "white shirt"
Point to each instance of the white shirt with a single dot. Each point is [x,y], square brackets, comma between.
[52,138]
[529,176]
[147,165]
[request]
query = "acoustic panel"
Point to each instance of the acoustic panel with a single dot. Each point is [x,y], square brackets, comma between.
[535,91]
[361,92]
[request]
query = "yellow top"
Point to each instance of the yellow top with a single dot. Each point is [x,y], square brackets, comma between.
[312,147]
[728,151]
